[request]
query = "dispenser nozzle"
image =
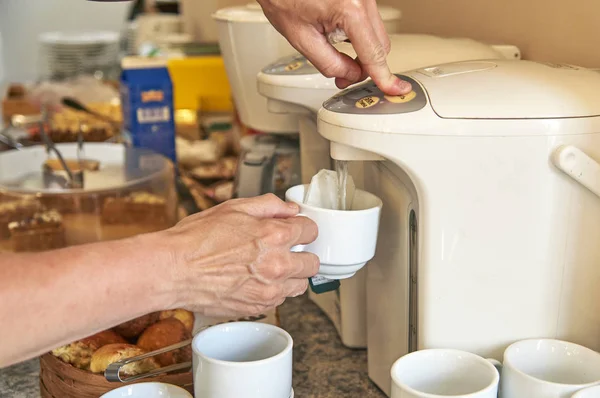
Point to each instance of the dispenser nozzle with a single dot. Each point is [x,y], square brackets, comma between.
[345,152]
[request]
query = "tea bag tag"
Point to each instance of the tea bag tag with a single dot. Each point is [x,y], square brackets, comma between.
[319,284]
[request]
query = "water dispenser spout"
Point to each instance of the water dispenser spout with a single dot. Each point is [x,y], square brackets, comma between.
[345,152]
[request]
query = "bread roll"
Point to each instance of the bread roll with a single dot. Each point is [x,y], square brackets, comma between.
[133,328]
[79,353]
[186,317]
[164,333]
[112,353]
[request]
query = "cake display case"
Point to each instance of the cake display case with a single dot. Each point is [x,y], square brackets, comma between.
[96,192]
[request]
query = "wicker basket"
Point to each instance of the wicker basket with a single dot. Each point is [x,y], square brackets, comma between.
[61,380]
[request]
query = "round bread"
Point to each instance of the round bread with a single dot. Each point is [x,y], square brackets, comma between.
[79,353]
[112,353]
[164,333]
[133,328]
[186,317]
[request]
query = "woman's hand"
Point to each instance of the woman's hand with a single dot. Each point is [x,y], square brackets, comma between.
[306,23]
[235,259]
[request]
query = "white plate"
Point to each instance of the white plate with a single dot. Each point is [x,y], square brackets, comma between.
[148,390]
[79,38]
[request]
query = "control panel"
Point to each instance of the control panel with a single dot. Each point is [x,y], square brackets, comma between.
[292,65]
[368,99]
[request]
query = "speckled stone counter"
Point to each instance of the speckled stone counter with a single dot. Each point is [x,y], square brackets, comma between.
[323,367]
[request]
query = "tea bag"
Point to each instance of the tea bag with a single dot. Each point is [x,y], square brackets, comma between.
[326,191]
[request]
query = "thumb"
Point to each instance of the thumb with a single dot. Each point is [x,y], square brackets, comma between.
[266,206]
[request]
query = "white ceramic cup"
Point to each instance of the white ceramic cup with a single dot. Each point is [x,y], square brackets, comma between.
[591,392]
[437,373]
[242,359]
[347,238]
[148,390]
[546,368]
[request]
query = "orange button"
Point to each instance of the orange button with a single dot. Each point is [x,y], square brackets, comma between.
[367,102]
[399,99]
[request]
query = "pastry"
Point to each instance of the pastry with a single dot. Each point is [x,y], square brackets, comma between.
[53,165]
[112,353]
[136,208]
[133,328]
[16,210]
[186,317]
[224,169]
[79,353]
[65,126]
[42,231]
[165,333]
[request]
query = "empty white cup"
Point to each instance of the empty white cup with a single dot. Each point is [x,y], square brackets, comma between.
[437,373]
[242,359]
[546,368]
[347,238]
[591,392]
[148,390]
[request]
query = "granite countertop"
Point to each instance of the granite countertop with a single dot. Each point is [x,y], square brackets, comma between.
[323,367]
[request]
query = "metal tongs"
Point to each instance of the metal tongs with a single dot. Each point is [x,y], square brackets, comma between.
[112,372]
[74,179]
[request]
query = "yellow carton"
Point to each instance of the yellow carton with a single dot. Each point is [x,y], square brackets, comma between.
[200,83]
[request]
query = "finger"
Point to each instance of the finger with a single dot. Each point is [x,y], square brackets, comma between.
[307,231]
[372,54]
[295,287]
[378,25]
[326,58]
[306,264]
[365,73]
[265,206]
[342,83]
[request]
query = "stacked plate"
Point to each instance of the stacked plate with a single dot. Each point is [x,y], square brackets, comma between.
[68,54]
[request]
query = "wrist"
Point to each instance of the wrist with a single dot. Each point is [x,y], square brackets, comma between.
[156,263]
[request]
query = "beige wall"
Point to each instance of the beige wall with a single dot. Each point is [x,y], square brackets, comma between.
[197,16]
[545,30]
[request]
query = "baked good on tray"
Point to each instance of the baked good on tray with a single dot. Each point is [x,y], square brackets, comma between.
[112,353]
[135,337]
[186,317]
[41,231]
[135,208]
[16,210]
[165,333]
[65,125]
[133,328]
[79,353]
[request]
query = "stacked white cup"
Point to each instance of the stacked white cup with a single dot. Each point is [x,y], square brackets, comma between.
[535,368]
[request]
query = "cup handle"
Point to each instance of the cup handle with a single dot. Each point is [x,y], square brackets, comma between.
[497,364]
[298,248]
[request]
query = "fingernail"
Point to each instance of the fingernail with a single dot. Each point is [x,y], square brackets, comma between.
[404,87]
[293,206]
